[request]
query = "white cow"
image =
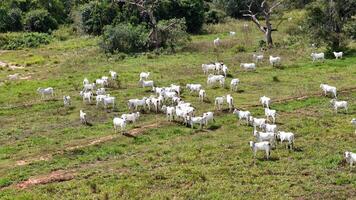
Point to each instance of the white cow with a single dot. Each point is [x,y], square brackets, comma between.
[242,114]
[317,56]
[270,113]
[133,117]
[261,146]
[213,79]
[258,58]
[45,91]
[119,123]
[338,54]
[87,96]
[338,104]
[350,157]
[353,121]
[265,101]
[219,101]
[274,60]
[66,100]
[217,42]
[209,116]
[328,89]
[144,75]
[194,87]
[83,117]
[248,66]
[202,95]
[230,102]
[234,83]
[113,75]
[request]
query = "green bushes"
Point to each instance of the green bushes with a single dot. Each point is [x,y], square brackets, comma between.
[350,29]
[39,21]
[214,16]
[128,38]
[124,38]
[32,15]
[95,15]
[10,20]
[239,49]
[192,11]
[172,33]
[327,22]
[12,41]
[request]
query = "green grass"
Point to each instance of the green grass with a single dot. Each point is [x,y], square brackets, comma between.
[174,161]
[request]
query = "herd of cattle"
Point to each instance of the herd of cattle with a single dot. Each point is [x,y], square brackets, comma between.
[168,101]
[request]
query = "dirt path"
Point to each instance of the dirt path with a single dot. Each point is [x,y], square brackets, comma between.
[132,133]
[56,176]
[297,98]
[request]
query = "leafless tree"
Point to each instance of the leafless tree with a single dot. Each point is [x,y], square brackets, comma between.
[266,10]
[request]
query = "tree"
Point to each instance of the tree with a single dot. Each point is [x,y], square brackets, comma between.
[267,8]
[328,22]
[39,21]
[95,15]
[233,8]
[191,10]
[147,10]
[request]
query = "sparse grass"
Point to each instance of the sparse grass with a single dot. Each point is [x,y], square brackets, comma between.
[174,161]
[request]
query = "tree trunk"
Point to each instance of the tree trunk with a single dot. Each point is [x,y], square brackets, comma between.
[155,39]
[269,38]
[268,30]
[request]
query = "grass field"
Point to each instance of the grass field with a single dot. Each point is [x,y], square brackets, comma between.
[42,140]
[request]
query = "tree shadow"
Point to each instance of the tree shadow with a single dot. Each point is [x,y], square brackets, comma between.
[214,127]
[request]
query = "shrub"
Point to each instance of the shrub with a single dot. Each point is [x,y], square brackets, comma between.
[39,21]
[172,33]
[239,48]
[350,29]
[64,33]
[214,16]
[191,10]
[124,38]
[262,43]
[12,41]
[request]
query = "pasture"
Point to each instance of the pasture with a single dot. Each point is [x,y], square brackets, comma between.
[43,141]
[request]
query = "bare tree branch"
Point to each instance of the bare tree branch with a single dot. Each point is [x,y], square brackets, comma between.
[267,12]
[275,5]
[254,18]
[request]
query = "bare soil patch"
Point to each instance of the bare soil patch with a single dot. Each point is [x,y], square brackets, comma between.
[56,176]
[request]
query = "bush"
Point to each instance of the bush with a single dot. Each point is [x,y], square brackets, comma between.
[12,41]
[39,21]
[239,48]
[64,33]
[350,29]
[214,16]
[191,10]
[124,38]
[172,33]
